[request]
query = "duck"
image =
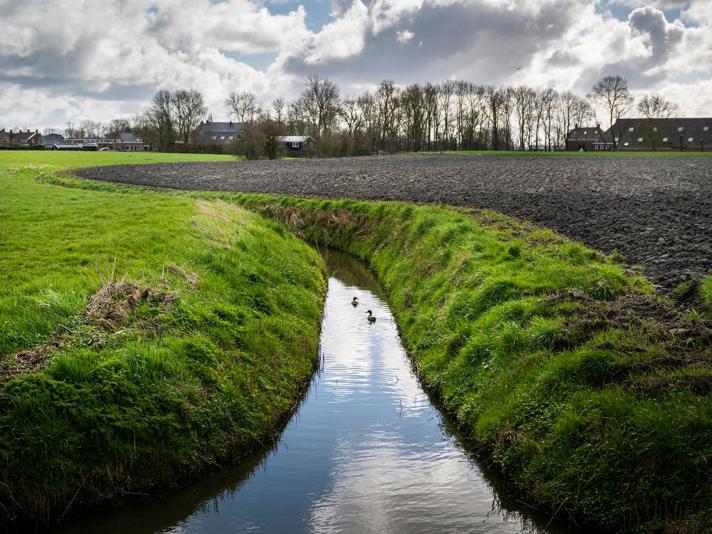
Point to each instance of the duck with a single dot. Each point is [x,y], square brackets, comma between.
[354,302]
[371,318]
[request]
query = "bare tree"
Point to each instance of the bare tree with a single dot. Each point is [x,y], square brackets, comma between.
[278,108]
[612,93]
[320,102]
[159,118]
[116,127]
[242,106]
[432,114]
[524,102]
[387,104]
[413,112]
[499,111]
[572,111]
[476,103]
[654,108]
[189,110]
[353,116]
[549,99]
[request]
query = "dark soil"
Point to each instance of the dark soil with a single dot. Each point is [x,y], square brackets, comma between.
[655,211]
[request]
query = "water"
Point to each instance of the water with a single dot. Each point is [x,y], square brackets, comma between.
[366,452]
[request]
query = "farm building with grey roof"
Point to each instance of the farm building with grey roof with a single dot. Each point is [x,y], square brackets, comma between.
[641,134]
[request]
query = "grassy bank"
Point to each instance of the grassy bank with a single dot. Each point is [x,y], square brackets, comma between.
[145,337]
[588,393]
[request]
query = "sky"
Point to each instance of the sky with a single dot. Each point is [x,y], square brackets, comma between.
[68,60]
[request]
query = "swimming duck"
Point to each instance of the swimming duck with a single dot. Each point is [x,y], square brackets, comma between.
[371,318]
[354,302]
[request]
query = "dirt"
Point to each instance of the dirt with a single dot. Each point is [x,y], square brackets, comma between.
[655,211]
[684,345]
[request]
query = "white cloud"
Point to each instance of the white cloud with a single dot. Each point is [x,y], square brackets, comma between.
[404,36]
[63,60]
[342,38]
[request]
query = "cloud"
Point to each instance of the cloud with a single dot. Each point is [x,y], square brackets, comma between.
[404,36]
[60,59]
[342,38]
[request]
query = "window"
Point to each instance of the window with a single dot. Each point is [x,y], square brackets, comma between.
[295,144]
[222,137]
[665,139]
[585,132]
[706,128]
[631,129]
[680,128]
[640,139]
[655,128]
[231,137]
[690,139]
[626,144]
[215,138]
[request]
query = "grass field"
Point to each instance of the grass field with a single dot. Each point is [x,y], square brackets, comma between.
[144,337]
[592,396]
[60,159]
[587,392]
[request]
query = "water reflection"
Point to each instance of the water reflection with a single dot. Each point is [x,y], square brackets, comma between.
[367,451]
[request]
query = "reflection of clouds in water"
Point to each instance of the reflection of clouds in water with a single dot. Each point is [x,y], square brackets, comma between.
[346,343]
[383,485]
[350,345]
[389,474]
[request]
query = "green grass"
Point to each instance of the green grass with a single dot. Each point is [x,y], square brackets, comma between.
[520,153]
[706,293]
[55,158]
[201,368]
[533,342]
[542,349]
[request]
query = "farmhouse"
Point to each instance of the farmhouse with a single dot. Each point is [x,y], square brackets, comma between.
[20,138]
[586,138]
[693,134]
[218,133]
[295,144]
[130,142]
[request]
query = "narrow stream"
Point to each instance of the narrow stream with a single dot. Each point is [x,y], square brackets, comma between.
[366,452]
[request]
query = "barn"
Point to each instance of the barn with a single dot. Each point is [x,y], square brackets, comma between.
[673,134]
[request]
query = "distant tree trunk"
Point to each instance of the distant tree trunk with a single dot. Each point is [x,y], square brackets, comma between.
[612,93]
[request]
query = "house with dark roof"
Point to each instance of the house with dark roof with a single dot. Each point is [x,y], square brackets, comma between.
[586,139]
[130,142]
[681,134]
[20,138]
[218,133]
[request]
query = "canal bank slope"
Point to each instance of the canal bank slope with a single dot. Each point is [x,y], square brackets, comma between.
[589,393]
[145,338]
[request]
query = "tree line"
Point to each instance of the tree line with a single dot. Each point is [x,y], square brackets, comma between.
[452,115]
